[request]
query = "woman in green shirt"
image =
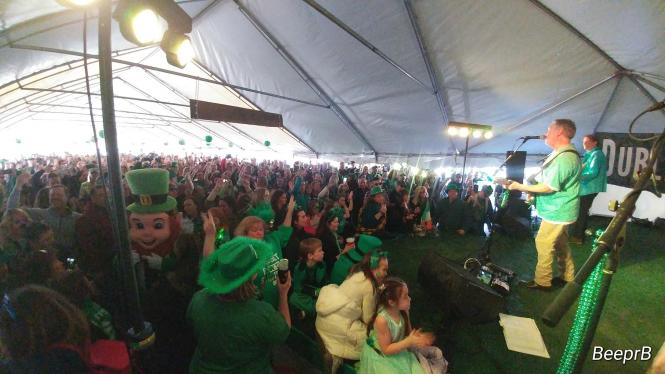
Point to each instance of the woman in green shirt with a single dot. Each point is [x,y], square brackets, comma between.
[235,333]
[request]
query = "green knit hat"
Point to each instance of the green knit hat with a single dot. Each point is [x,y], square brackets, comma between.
[264,211]
[233,264]
[375,190]
[150,190]
[366,244]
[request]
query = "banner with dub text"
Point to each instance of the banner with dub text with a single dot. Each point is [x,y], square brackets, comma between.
[625,157]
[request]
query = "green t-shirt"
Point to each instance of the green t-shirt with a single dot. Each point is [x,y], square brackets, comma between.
[267,283]
[234,337]
[563,176]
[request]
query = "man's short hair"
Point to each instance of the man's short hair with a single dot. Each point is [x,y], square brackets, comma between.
[308,246]
[592,137]
[568,127]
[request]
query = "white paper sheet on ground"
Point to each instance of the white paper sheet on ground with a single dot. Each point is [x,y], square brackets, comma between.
[522,335]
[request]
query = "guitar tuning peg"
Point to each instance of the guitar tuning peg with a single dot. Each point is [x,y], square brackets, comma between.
[613,205]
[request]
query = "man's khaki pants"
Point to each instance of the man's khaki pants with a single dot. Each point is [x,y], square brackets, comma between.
[552,240]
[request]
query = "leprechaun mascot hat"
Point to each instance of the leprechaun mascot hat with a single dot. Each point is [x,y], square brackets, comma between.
[150,191]
[152,229]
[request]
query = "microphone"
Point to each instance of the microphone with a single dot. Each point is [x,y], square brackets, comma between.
[539,137]
[656,106]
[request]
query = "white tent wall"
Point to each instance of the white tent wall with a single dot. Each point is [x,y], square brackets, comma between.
[513,64]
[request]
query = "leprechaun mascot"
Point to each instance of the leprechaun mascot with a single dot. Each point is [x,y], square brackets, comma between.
[154,225]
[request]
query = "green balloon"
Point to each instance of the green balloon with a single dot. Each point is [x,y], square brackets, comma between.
[181,141]
[101,134]
[18,141]
[208,138]
[230,145]
[267,143]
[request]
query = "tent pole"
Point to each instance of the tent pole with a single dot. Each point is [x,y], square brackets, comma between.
[466,152]
[140,331]
[303,75]
[166,71]
[649,82]
[438,92]
[324,12]
[607,105]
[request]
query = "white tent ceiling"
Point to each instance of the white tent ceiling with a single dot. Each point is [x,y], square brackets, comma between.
[513,64]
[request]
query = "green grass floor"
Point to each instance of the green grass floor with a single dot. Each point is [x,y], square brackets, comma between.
[634,313]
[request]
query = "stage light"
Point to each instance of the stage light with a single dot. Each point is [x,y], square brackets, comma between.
[76,4]
[423,174]
[439,171]
[178,48]
[404,165]
[488,134]
[464,132]
[139,23]
[414,170]
[396,166]
[452,131]
[477,133]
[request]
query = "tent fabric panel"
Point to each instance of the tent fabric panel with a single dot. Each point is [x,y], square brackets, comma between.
[502,61]
[585,111]
[630,32]
[628,102]
[379,99]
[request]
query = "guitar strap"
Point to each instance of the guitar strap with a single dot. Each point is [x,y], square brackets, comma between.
[546,162]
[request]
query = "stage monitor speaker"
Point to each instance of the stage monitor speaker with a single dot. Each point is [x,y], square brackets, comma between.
[460,294]
[515,166]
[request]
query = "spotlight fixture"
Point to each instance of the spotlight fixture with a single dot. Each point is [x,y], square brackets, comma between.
[139,23]
[439,171]
[76,4]
[463,130]
[178,48]
[396,166]
[423,174]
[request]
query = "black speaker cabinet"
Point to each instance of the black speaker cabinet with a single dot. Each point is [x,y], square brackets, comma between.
[515,166]
[460,294]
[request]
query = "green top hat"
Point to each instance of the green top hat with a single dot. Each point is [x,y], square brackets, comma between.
[488,190]
[453,186]
[366,244]
[375,190]
[264,211]
[233,264]
[150,190]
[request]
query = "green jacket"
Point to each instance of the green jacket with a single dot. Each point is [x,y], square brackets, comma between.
[234,337]
[306,285]
[594,172]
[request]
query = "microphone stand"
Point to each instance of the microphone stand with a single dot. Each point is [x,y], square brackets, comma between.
[610,243]
[484,253]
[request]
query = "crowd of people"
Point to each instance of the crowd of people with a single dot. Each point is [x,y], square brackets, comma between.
[231,256]
[208,235]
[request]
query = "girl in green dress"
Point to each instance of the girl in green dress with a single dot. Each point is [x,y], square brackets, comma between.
[392,344]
